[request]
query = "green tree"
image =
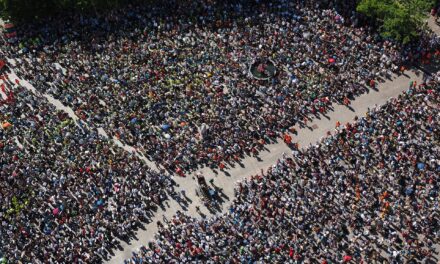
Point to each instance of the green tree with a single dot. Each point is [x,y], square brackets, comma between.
[26,9]
[32,9]
[400,19]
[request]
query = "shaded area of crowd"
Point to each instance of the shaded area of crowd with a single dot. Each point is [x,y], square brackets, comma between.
[172,79]
[368,192]
[67,194]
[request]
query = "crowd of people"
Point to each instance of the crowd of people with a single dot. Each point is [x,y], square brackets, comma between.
[176,85]
[368,192]
[67,194]
[173,81]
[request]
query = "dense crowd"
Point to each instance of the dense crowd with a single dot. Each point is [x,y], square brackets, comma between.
[176,85]
[173,81]
[67,194]
[369,192]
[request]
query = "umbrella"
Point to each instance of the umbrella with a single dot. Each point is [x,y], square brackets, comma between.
[6,125]
[99,202]
[165,126]
[347,258]
[55,211]
[331,60]
[420,166]
[134,120]
[293,77]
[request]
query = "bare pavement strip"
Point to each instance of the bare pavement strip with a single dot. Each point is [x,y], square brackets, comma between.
[227,180]
[252,166]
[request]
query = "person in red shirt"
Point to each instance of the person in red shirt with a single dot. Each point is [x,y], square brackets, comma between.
[287,139]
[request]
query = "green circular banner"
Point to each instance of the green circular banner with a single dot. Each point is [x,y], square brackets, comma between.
[262,69]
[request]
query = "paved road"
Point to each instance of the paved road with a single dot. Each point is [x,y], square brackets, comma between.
[433,25]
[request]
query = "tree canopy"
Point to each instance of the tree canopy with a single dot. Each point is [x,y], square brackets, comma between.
[31,9]
[400,20]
